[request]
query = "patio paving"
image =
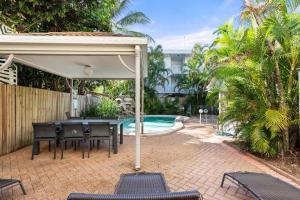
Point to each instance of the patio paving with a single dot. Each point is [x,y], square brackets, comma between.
[192,158]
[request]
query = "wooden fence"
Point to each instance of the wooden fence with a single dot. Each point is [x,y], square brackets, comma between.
[21,106]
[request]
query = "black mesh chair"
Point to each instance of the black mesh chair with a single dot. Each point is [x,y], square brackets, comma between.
[74,132]
[44,132]
[4,183]
[100,132]
[146,186]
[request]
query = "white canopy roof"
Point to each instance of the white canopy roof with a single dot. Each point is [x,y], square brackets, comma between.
[83,56]
[107,55]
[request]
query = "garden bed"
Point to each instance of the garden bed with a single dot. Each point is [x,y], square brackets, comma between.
[289,166]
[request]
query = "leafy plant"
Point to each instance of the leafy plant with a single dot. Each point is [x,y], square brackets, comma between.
[171,106]
[108,108]
[157,73]
[195,77]
[90,111]
[255,72]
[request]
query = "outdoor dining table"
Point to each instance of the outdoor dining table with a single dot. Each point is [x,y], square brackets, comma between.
[114,123]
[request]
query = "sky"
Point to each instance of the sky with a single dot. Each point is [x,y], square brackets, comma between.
[179,24]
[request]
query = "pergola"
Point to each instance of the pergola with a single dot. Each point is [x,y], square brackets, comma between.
[81,55]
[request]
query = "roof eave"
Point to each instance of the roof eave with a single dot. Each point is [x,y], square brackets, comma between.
[95,40]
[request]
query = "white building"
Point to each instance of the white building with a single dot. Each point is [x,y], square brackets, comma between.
[174,60]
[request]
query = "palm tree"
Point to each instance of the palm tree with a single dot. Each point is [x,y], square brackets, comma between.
[257,65]
[281,28]
[157,72]
[195,77]
[120,22]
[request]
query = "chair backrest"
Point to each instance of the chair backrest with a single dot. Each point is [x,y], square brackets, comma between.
[44,130]
[99,129]
[68,115]
[187,195]
[72,130]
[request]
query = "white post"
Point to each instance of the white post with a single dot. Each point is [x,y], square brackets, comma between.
[137,108]
[71,97]
[200,119]
[200,112]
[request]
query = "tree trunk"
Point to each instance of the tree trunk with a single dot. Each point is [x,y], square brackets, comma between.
[282,105]
[81,87]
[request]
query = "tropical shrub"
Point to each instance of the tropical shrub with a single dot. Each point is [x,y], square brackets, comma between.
[156,77]
[256,73]
[195,78]
[90,111]
[172,106]
[108,108]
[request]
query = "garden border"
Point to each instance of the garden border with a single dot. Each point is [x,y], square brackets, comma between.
[274,168]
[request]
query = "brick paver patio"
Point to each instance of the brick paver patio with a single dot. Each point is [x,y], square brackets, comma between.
[190,159]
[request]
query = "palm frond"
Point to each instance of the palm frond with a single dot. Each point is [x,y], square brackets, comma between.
[292,5]
[133,33]
[276,120]
[133,18]
[121,7]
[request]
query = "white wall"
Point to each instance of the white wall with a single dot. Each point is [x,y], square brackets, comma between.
[173,61]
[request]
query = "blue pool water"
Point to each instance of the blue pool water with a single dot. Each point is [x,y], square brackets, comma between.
[152,124]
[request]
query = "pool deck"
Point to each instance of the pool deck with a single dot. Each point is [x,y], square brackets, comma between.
[192,158]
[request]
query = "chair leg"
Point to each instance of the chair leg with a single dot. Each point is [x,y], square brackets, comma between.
[66,144]
[49,146]
[223,179]
[54,150]
[32,154]
[82,149]
[75,145]
[22,187]
[109,148]
[89,148]
[62,149]
[98,144]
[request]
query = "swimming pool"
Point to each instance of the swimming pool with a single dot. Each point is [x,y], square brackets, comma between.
[153,124]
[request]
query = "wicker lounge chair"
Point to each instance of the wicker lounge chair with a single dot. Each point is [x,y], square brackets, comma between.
[146,186]
[263,186]
[11,182]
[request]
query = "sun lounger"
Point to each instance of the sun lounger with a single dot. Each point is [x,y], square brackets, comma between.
[4,183]
[263,186]
[146,186]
